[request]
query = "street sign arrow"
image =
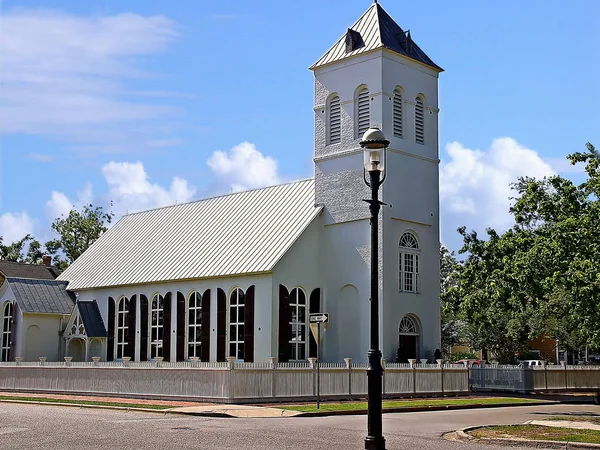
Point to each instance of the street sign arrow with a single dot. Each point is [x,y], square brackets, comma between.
[318,318]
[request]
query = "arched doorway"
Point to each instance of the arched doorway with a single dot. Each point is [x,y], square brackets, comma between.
[408,339]
[75,350]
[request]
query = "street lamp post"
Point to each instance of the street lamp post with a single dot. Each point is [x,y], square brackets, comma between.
[374,145]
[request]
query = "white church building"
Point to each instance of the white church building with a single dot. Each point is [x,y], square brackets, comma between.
[238,275]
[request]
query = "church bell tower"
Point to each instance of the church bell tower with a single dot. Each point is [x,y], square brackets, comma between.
[376,75]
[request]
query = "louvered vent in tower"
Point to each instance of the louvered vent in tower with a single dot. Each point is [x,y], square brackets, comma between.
[335,121]
[419,122]
[363,112]
[398,113]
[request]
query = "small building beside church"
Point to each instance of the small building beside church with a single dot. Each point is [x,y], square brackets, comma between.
[238,275]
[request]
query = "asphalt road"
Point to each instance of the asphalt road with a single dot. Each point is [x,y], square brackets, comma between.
[55,427]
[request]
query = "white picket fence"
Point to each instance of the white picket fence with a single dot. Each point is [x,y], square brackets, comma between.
[230,381]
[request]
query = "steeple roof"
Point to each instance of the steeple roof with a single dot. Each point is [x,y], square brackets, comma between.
[373,30]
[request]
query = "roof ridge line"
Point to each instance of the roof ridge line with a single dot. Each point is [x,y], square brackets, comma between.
[302,180]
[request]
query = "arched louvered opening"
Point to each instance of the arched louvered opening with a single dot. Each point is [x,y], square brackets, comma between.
[408,263]
[335,120]
[7,320]
[419,120]
[363,112]
[397,113]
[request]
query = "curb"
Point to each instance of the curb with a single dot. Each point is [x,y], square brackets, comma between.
[82,405]
[463,436]
[424,409]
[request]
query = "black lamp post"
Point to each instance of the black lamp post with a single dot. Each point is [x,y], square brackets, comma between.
[375,145]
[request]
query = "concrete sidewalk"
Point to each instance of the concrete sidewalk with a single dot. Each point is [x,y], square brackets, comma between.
[565,424]
[234,411]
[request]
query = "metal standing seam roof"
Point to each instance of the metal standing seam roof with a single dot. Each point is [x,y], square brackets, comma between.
[92,319]
[42,296]
[377,30]
[246,232]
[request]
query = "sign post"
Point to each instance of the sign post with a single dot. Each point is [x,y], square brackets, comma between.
[318,320]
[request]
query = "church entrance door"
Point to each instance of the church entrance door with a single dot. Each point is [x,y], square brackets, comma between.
[407,348]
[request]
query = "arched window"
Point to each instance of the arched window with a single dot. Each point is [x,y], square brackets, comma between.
[408,326]
[398,112]
[419,120]
[334,121]
[157,314]
[409,263]
[236,323]
[7,319]
[195,325]
[298,325]
[363,111]
[122,326]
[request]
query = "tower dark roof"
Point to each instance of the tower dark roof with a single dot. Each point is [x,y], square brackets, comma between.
[373,30]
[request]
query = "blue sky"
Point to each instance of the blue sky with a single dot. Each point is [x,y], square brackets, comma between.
[148,103]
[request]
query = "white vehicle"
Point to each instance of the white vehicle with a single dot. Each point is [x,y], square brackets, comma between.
[532,363]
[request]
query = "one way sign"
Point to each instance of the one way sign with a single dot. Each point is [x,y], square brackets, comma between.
[318,318]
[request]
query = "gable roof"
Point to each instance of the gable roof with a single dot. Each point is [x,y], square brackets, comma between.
[375,29]
[91,318]
[242,233]
[42,296]
[21,270]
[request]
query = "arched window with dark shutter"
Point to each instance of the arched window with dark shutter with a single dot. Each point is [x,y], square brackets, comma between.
[249,325]
[363,111]
[180,347]
[285,317]
[167,331]
[156,319]
[110,354]
[237,303]
[144,322]
[420,120]
[131,330]
[205,354]
[313,308]
[221,324]
[334,121]
[122,326]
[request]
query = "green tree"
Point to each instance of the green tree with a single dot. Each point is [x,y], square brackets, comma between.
[14,252]
[77,232]
[451,324]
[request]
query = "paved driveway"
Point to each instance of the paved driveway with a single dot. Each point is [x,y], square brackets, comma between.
[53,427]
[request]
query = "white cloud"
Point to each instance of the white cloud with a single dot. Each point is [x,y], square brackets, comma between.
[64,75]
[244,167]
[14,226]
[475,184]
[40,157]
[130,191]
[60,205]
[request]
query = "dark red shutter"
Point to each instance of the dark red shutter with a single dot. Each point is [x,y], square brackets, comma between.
[13,333]
[143,328]
[249,325]
[221,324]
[130,347]
[205,348]
[285,330]
[110,354]
[180,326]
[314,306]
[166,349]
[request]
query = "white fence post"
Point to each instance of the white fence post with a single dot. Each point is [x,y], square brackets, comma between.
[383,376]
[273,364]
[230,376]
[42,360]
[349,367]
[440,363]
[313,365]
[412,363]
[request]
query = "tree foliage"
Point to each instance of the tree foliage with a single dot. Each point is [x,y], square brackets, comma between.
[541,277]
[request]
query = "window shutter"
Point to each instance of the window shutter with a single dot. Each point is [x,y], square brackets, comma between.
[398,113]
[181,326]
[285,317]
[130,347]
[205,348]
[13,334]
[314,306]
[335,121]
[143,328]
[249,326]
[166,350]
[364,114]
[110,355]
[419,122]
[221,324]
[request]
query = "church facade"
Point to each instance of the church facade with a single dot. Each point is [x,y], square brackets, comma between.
[238,275]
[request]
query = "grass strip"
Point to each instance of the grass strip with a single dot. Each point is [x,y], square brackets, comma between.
[391,404]
[82,402]
[592,418]
[539,433]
